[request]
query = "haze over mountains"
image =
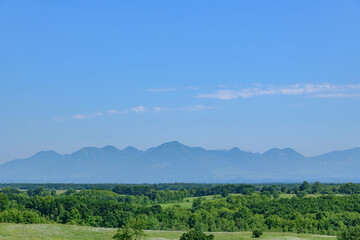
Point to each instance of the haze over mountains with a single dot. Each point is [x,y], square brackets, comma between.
[175,162]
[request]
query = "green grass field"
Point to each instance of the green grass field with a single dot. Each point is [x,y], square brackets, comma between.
[57,231]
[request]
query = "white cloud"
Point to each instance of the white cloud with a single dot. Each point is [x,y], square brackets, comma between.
[80,116]
[86,116]
[324,89]
[158,109]
[112,111]
[138,109]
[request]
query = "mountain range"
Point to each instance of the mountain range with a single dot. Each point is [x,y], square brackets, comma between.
[175,162]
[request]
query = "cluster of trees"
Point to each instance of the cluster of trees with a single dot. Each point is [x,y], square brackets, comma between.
[325,214]
[166,196]
[316,188]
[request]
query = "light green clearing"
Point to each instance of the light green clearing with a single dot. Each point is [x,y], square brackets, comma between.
[57,231]
[187,203]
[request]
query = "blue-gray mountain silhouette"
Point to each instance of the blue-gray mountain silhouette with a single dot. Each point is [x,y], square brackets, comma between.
[175,162]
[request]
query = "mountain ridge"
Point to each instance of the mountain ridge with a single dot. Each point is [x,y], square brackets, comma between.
[176,162]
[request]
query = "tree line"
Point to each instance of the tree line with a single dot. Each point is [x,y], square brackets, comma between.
[251,210]
[316,187]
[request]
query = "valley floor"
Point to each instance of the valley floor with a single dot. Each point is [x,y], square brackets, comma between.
[10,231]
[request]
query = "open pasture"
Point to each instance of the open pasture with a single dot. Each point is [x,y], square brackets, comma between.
[57,231]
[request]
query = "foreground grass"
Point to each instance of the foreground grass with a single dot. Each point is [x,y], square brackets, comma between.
[57,231]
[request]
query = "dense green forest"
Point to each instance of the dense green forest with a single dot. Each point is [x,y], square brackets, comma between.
[233,207]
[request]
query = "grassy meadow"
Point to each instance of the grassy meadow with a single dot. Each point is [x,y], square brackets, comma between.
[11,231]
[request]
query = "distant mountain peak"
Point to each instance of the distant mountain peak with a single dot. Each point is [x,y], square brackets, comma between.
[50,153]
[92,151]
[235,149]
[132,151]
[172,144]
[285,152]
[130,148]
[110,148]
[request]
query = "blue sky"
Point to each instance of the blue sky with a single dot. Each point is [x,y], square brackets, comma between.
[215,74]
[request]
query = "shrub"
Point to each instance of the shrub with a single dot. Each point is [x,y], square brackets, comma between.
[196,235]
[257,233]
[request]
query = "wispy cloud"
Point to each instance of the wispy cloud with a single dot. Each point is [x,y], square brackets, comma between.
[193,88]
[79,116]
[112,111]
[315,90]
[86,116]
[158,109]
[198,108]
[138,109]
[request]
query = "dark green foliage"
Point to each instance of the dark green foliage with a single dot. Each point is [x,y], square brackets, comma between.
[304,186]
[196,235]
[4,201]
[324,214]
[270,191]
[317,188]
[40,191]
[257,233]
[349,188]
[352,233]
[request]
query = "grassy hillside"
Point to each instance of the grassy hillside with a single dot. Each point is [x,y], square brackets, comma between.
[57,231]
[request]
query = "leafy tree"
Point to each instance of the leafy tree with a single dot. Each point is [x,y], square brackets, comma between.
[316,188]
[349,188]
[132,230]
[350,234]
[257,233]
[4,201]
[125,233]
[304,186]
[196,235]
